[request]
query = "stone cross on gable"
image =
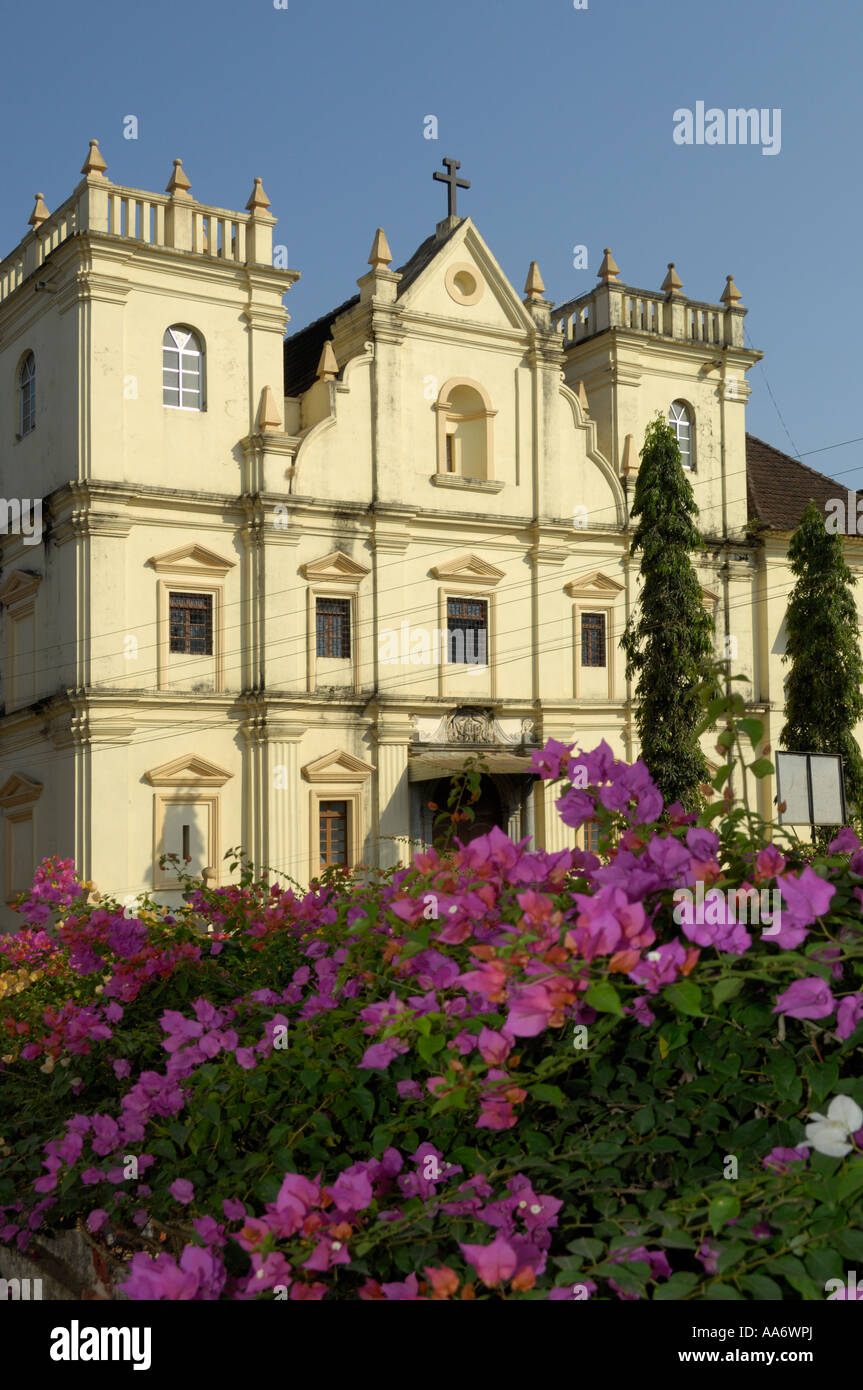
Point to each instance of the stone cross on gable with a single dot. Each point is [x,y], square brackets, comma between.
[453,183]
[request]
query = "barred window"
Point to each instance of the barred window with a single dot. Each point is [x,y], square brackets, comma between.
[680,420]
[591,836]
[333,623]
[593,639]
[191,618]
[333,817]
[467,631]
[27,395]
[182,369]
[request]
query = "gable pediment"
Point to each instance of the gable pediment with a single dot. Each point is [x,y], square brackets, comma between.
[19,790]
[191,559]
[336,567]
[338,766]
[191,770]
[709,598]
[493,299]
[468,568]
[595,586]
[19,585]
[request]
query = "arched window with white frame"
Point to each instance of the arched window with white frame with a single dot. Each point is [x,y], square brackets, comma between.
[27,395]
[182,369]
[680,420]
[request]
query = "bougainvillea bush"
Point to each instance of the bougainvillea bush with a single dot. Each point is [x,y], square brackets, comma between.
[497,1073]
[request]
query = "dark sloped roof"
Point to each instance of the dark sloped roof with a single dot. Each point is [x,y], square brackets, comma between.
[303,350]
[779,487]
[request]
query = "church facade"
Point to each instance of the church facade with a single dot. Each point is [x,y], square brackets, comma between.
[269,592]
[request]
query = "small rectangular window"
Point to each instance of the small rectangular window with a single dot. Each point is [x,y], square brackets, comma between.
[333,624]
[333,819]
[191,620]
[467,631]
[591,837]
[450,453]
[593,639]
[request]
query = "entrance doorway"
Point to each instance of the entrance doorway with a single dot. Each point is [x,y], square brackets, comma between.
[487,810]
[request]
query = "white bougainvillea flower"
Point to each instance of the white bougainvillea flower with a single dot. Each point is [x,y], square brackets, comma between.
[831,1133]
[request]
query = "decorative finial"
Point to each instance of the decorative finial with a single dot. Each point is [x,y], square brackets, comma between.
[380,255]
[731,295]
[672,282]
[609,270]
[94,164]
[178,185]
[328,367]
[630,456]
[257,198]
[269,419]
[534,288]
[39,214]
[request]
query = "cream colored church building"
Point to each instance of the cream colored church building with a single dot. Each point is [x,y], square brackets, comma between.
[270,591]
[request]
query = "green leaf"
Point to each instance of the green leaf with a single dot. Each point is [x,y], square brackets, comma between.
[553,1094]
[763,1288]
[644,1120]
[724,1293]
[790,1268]
[365,1102]
[428,1047]
[851,1182]
[723,1209]
[762,767]
[585,1246]
[726,989]
[754,730]
[678,1286]
[685,997]
[604,998]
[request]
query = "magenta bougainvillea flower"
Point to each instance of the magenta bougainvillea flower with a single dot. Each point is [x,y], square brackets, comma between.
[810,998]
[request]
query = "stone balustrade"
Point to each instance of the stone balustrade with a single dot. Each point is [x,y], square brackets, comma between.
[173,220]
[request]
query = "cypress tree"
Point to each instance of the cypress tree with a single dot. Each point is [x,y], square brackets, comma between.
[823,699]
[669,645]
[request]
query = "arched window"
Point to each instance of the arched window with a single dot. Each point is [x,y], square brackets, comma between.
[27,395]
[464,430]
[182,369]
[680,420]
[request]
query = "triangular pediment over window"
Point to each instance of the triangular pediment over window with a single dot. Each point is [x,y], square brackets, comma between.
[19,585]
[469,567]
[335,567]
[18,790]
[338,766]
[188,771]
[709,599]
[191,559]
[596,585]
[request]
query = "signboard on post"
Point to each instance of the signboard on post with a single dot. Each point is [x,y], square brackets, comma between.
[812,787]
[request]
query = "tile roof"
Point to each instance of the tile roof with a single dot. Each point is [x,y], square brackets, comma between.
[778,487]
[302,350]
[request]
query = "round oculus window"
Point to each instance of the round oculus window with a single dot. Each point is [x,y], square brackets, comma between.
[463,284]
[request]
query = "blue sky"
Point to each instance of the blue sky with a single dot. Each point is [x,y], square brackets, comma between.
[562,120]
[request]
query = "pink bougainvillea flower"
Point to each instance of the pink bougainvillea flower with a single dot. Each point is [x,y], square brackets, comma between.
[846,842]
[494,1047]
[97,1219]
[182,1190]
[530,1008]
[379,1055]
[848,1014]
[806,897]
[407,1292]
[444,1281]
[809,998]
[708,1255]
[552,761]
[493,1263]
[780,1160]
